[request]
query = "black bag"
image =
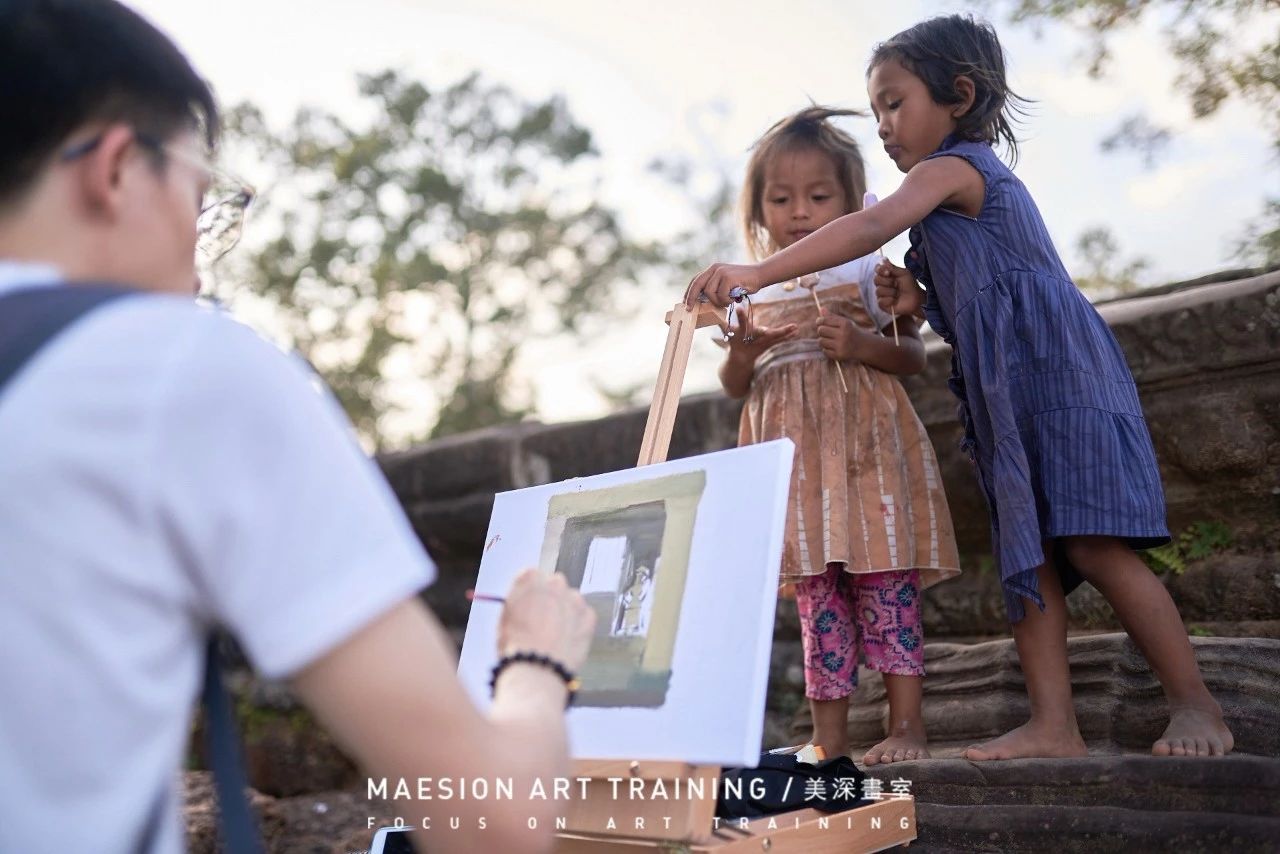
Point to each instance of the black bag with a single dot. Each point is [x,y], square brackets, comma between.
[781,783]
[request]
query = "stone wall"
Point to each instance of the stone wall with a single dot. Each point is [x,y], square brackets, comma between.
[1206,356]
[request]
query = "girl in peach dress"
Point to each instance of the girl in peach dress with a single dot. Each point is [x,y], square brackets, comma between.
[868,526]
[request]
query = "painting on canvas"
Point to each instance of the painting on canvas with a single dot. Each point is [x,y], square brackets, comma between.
[680,563]
[626,549]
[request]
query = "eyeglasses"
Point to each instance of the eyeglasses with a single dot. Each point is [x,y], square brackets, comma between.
[224,205]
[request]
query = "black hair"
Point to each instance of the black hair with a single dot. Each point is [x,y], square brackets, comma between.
[809,129]
[939,50]
[65,63]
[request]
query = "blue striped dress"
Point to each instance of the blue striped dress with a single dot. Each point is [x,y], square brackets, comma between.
[1049,407]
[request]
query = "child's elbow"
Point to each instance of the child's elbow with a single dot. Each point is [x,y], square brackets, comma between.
[914,359]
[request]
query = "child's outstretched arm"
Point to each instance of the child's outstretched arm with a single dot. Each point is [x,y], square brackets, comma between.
[930,184]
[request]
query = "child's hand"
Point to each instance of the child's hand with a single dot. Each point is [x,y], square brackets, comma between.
[839,337]
[717,280]
[750,341]
[897,291]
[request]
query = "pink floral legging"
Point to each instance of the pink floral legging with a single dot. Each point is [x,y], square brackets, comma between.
[841,612]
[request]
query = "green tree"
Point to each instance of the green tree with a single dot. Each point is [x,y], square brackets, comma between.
[709,193]
[429,243]
[1105,270]
[1225,49]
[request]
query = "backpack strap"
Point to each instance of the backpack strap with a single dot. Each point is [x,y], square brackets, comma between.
[29,319]
[32,317]
[239,825]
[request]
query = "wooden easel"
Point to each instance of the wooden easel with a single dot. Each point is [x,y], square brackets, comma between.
[688,824]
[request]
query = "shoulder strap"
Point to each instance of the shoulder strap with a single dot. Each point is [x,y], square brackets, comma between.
[29,319]
[240,832]
[32,317]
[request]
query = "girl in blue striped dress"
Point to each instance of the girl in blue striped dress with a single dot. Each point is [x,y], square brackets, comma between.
[1050,410]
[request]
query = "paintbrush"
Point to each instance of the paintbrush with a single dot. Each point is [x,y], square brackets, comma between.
[869,199]
[810,283]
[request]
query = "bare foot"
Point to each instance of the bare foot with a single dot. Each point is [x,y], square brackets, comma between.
[899,747]
[1030,741]
[1195,732]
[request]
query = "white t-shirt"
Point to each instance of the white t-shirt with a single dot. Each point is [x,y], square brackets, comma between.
[163,469]
[859,271]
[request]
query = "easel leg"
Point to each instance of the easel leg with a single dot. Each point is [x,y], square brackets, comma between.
[666,394]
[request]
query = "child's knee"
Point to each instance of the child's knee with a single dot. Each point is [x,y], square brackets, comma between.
[1091,555]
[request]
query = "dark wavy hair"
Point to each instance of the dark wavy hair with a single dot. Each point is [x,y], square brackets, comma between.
[809,129]
[939,50]
[67,63]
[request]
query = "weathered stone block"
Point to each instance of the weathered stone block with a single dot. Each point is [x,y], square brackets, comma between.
[976,691]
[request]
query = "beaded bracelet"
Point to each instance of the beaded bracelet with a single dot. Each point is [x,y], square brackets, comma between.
[570,681]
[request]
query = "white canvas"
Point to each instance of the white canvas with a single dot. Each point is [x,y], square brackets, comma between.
[702,699]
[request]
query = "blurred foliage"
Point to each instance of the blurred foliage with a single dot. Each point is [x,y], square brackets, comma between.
[1198,541]
[713,194]
[1105,271]
[707,186]
[1225,49]
[431,242]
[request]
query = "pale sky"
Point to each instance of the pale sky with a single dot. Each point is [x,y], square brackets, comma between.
[706,78]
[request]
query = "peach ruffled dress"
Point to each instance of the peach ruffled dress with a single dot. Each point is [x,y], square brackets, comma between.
[866,492]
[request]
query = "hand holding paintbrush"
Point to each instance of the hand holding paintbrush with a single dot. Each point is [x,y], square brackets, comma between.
[810,283]
[542,614]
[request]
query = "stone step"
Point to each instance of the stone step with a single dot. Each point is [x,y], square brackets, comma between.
[1119,798]
[976,691]
[1238,784]
[948,829]
[1099,803]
